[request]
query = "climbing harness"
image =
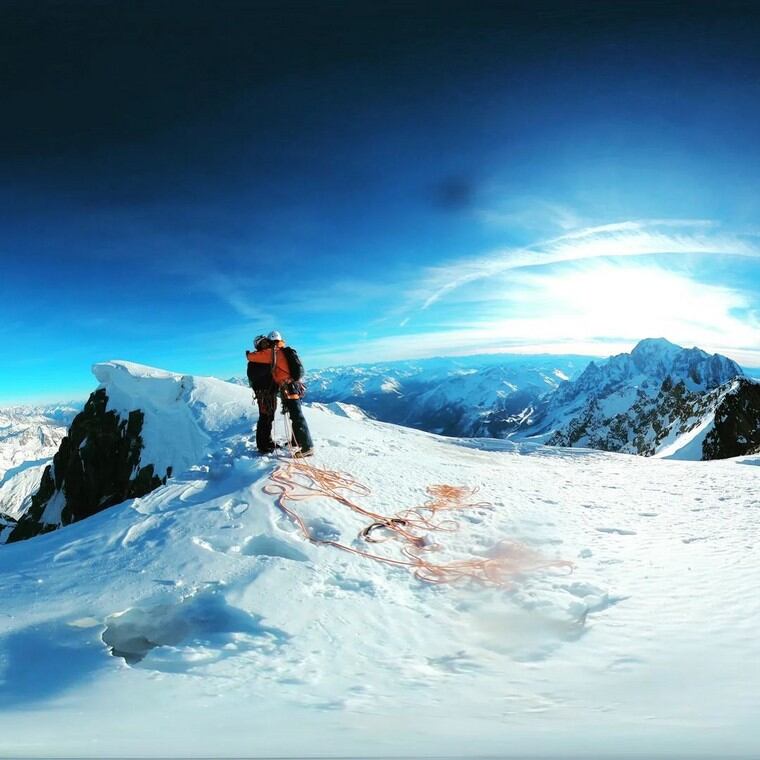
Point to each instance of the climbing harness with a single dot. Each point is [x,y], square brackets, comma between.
[296,480]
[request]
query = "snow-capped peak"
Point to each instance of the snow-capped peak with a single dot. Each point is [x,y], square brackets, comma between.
[181,411]
[644,402]
[649,353]
[658,357]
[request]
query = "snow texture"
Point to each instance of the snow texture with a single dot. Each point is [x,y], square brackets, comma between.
[196,621]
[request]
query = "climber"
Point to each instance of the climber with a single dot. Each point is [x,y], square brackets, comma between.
[275,369]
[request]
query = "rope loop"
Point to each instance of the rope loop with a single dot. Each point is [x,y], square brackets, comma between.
[297,480]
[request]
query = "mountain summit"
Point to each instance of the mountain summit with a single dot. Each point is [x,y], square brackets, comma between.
[652,401]
[659,358]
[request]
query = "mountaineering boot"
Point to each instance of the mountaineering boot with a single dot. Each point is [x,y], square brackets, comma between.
[303,453]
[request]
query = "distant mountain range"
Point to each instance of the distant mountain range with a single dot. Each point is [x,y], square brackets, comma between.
[29,437]
[462,396]
[659,400]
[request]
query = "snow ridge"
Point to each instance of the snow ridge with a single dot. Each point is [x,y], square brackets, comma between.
[202,595]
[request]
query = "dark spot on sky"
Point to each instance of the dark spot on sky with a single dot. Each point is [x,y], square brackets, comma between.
[455,193]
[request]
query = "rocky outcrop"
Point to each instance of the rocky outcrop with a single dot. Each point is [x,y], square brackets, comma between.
[97,465]
[645,426]
[637,403]
[736,429]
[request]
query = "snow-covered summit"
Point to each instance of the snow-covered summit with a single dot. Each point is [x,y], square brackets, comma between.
[201,603]
[639,403]
[650,353]
[659,358]
[141,425]
[644,369]
[182,412]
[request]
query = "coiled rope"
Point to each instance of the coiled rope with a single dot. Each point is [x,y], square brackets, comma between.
[296,480]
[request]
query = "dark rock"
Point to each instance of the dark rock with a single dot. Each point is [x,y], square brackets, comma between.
[736,430]
[97,466]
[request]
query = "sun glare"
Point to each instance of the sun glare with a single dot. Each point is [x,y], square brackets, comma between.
[621,301]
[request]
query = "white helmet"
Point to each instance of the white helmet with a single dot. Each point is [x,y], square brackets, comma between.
[274,335]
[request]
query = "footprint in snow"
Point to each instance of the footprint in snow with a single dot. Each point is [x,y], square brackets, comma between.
[234,508]
[625,663]
[460,662]
[261,545]
[618,531]
[354,585]
[198,541]
[322,529]
[270,546]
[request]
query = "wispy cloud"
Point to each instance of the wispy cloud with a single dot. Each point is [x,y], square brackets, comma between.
[622,239]
[530,214]
[243,296]
[596,290]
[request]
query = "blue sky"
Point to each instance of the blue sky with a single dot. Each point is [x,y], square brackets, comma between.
[377,181]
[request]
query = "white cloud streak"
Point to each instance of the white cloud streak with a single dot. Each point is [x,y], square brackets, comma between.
[622,239]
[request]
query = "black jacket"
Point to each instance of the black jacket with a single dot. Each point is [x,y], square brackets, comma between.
[260,377]
[294,363]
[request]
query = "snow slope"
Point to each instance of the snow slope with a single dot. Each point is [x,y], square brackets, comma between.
[270,645]
[18,485]
[29,436]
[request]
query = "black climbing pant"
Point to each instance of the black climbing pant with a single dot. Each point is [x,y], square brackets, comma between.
[267,403]
[298,423]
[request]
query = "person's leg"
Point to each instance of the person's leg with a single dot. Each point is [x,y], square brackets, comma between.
[264,442]
[267,403]
[298,422]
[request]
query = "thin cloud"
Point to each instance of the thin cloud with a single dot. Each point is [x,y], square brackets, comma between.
[531,214]
[235,294]
[622,239]
[596,308]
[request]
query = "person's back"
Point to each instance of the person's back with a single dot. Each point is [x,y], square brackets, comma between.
[259,372]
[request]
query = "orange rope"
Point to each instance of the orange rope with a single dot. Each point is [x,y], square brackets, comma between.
[297,480]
